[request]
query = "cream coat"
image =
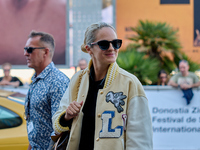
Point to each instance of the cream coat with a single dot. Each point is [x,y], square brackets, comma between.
[129,129]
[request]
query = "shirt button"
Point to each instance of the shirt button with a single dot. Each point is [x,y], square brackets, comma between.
[99,115]
[101,92]
[83,95]
[97,139]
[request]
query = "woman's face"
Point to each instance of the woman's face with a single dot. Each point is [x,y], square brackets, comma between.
[6,70]
[163,77]
[104,57]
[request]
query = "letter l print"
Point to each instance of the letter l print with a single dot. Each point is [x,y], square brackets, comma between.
[106,131]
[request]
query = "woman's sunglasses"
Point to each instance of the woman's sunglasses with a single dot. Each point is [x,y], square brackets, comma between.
[104,44]
[30,49]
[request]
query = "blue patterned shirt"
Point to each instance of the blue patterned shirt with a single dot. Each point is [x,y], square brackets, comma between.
[42,101]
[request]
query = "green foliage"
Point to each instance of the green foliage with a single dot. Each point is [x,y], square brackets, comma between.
[155,47]
[144,68]
[157,40]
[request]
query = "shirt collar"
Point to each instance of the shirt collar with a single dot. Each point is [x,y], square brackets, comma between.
[44,73]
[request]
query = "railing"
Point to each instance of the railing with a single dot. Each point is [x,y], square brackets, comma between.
[176,125]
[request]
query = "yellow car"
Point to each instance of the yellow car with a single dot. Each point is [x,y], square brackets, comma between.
[13,133]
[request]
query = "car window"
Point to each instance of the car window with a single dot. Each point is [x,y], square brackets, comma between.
[9,119]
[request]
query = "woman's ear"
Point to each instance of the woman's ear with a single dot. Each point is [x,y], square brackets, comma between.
[88,49]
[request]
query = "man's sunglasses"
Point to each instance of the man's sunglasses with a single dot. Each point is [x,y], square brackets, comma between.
[30,49]
[104,44]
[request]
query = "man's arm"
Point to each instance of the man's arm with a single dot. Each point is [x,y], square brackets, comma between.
[57,93]
[172,83]
[196,84]
[187,86]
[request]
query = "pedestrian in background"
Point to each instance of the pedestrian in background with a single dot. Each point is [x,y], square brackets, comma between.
[186,80]
[162,78]
[47,88]
[105,106]
[7,79]
[82,63]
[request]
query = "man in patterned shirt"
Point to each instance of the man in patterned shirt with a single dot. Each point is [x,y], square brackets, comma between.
[47,88]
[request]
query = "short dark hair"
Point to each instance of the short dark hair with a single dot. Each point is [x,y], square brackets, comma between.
[161,71]
[185,61]
[45,37]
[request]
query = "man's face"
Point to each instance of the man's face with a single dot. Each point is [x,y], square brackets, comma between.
[82,64]
[183,67]
[34,59]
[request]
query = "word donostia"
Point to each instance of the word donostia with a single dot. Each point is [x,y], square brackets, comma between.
[194,110]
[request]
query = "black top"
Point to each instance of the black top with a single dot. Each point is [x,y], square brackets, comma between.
[89,109]
[14,79]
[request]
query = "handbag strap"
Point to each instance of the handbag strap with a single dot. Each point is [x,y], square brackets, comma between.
[56,144]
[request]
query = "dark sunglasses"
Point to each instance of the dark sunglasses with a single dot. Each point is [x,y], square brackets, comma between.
[30,49]
[162,77]
[104,44]
[6,70]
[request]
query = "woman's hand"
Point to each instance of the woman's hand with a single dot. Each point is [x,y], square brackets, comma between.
[73,109]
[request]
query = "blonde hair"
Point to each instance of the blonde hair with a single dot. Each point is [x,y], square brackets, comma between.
[90,33]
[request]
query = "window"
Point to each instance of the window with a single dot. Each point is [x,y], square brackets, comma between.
[9,119]
[174,1]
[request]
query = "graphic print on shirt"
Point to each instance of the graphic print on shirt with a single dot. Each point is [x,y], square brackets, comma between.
[185,80]
[116,99]
[106,131]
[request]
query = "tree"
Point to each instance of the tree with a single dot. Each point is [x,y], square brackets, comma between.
[157,40]
[144,68]
[155,46]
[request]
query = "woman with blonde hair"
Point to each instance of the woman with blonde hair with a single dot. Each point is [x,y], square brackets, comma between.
[104,107]
[7,79]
